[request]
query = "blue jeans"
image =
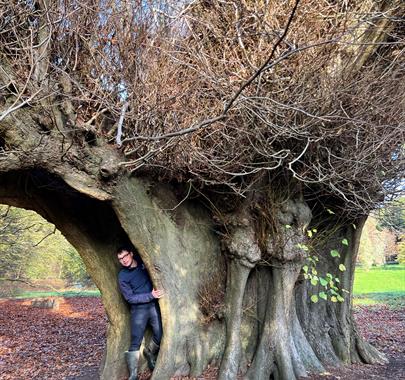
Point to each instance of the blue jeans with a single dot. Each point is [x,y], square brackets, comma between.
[141,316]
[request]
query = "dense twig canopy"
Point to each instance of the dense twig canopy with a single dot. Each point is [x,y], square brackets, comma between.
[221,92]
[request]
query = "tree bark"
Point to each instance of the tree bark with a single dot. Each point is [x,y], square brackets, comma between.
[269,328]
[333,334]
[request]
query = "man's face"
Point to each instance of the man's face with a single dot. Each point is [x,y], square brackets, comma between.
[126,258]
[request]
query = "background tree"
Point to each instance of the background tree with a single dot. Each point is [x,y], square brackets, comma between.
[393,216]
[240,129]
[401,250]
[73,270]
[378,245]
[13,248]
[32,249]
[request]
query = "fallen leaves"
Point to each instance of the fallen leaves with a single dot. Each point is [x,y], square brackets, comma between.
[44,344]
[384,328]
[68,343]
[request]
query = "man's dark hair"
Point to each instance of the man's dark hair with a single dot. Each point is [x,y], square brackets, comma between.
[127,248]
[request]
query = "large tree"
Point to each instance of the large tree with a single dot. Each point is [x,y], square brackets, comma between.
[233,143]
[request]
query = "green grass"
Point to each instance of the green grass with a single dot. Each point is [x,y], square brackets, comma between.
[379,279]
[380,285]
[70,293]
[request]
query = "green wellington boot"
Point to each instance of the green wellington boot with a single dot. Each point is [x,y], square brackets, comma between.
[150,354]
[132,358]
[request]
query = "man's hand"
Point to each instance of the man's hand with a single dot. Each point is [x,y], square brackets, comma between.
[157,293]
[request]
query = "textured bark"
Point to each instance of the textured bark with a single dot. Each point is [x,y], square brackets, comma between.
[237,278]
[270,329]
[181,252]
[283,349]
[243,256]
[333,334]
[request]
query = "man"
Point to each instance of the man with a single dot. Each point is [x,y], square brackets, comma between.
[137,289]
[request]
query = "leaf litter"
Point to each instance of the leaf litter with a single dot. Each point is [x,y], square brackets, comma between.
[67,343]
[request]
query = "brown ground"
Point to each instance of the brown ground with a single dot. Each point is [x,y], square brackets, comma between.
[384,328]
[67,343]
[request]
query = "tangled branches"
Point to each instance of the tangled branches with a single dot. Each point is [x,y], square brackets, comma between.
[223,92]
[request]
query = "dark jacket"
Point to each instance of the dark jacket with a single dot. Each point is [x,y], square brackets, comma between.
[135,284]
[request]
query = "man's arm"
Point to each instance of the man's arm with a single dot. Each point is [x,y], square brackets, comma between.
[132,298]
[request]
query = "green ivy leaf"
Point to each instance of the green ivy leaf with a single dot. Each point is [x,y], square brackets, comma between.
[314,281]
[333,299]
[314,230]
[306,276]
[345,242]
[337,280]
[329,276]
[329,211]
[323,295]
[314,298]
[314,271]
[342,268]
[323,281]
[334,253]
[287,226]
[340,298]
[305,268]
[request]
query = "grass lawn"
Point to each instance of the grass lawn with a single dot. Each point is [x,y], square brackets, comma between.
[380,285]
[69,293]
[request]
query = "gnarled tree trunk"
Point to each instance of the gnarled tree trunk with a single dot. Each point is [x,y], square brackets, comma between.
[235,294]
[269,320]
